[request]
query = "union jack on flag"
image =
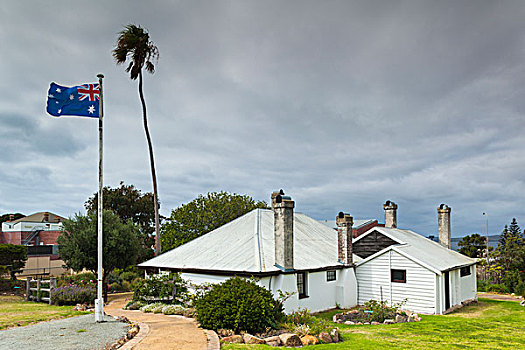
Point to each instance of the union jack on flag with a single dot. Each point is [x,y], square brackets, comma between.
[81,100]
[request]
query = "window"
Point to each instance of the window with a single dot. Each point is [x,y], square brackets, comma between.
[464,271]
[330,275]
[399,276]
[302,285]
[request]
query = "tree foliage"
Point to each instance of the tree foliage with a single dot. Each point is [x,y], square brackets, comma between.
[77,245]
[204,214]
[13,257]
[473,245]
[5,217]
[129,203]
[508,259]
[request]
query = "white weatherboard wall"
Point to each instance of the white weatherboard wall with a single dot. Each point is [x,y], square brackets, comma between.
[322,294]
[419,289]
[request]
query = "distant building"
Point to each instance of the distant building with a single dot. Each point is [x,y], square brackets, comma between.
[39,232]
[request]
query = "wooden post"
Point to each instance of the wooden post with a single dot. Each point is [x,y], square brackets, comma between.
[52,285]
[38,281]
[28,290]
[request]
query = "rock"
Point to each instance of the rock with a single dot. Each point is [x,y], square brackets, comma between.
[414,318]
[290,339]
[233,339]
[366,322]
[80,307]
[375,323]
[335,318]
[325,337]
[273,341]
[224,332]
[251,339]
[349,322]
[389,321]
[359,323]
[401,319]
[309,340]
[335,335]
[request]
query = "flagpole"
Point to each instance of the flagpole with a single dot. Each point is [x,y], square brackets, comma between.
[99,303]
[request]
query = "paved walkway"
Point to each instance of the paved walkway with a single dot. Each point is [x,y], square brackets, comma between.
[165,332]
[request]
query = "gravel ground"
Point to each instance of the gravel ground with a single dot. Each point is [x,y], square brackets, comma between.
[81,332]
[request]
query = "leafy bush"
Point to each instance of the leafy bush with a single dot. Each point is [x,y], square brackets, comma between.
[482,285]
[240,305]
[153,307]
[302,323]
[129,276]
[72,295]
[114,278]
[379,310]
[134,305]
[173,310]
[497,288]
[159,287]
[81,279]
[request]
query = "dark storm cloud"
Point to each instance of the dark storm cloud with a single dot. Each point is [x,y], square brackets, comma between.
[344,104]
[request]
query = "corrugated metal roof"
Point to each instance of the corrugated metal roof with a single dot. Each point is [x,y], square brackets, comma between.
[422,249]
[247,245]
[358,223]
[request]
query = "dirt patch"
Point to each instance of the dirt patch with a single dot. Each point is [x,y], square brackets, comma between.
[506,297]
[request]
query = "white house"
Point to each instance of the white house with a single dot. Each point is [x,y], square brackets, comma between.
[284,250]
[395,265]
[292,252]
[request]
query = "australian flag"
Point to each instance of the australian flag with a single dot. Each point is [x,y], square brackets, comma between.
[82,100]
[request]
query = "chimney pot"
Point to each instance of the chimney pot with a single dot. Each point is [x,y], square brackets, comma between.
[390,214]
[46,216]
[344,238]
[11,217]
[444,225]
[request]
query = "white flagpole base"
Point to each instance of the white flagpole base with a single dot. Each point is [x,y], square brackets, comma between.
[99,311]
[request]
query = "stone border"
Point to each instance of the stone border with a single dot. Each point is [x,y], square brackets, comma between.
[213,340]
[143,332]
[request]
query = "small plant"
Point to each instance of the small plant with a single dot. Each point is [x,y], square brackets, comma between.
[378,311]
[154,307]
[301,330]
[173,310]
[134,305]
[72,295]
[169,288]
[81,330]
[301,321]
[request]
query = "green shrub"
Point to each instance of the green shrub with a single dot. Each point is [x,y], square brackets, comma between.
[173,310]
[153,307]
[129,276]
[301,322]
[379,310]
[114,278]
[134,305]
[482,285]
[115,287]
[159,287]
[497,288]
[72,295]
[126,286]
[81,279]
[240,305]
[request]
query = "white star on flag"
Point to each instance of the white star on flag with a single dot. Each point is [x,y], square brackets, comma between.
[91,109]
[71,97]
[58,90]
[59,111]
[51,96]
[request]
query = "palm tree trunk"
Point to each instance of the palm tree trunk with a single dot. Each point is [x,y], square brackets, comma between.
[152,164]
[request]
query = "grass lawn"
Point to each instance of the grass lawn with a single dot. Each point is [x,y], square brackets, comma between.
[15,312]
[491,324]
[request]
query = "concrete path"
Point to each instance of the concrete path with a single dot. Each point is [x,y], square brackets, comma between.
[166,332]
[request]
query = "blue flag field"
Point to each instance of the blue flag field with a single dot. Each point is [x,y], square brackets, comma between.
[82,100]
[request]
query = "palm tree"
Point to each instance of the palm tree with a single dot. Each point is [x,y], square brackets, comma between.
[133,43]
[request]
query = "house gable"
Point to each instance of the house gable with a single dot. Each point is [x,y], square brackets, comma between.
[372,243]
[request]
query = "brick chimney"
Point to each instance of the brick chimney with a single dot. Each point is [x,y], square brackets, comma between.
[444,225]
[344,238]
[283,230]
[46,217]
[11,217]
[390,214]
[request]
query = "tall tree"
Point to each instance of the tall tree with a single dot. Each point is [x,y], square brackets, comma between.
[7,217]
[129,203]
[133,42]
[77,244]
[473,245]
[204,214]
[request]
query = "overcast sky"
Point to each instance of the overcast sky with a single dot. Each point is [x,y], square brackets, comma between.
[343,104]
